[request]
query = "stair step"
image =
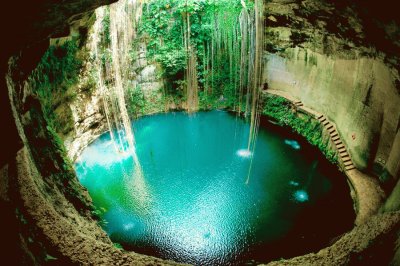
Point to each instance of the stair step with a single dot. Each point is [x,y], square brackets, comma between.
[342,151]
[337,141]
[320,116]
[346,160]
[332,130]
[338,146]
[297,101]
[325,123]
[299,105]
[348,168]
[334,134]
[336,138]
[329,127]
[348,163]
[344,156]
[322,119]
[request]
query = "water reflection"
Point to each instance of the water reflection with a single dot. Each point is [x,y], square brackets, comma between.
[191,204]
[301,195]
[244,153]
[293,143]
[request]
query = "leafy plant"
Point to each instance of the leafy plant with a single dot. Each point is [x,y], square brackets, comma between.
[136,102]
[281,110]
[162,28]
[57,71]
[118,245]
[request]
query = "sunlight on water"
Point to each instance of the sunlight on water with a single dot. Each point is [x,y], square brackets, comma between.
[187,200]
[294,144]
[128,226]
[301,195]
[244,153]
[102,154]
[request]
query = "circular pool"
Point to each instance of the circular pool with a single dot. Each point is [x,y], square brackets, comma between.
[203,198]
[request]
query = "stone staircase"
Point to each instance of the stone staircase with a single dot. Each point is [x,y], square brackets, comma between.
[344,156]
[345,160]
[367,192]
[298,104]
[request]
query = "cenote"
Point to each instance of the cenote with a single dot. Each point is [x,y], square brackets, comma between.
[192,204]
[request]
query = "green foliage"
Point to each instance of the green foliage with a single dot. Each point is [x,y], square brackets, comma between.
[154,103]
[98,213]
[53,82]
[117,245]
[57,71]
[49,258]
[281,110]
[106,38]
[136,102]
[59,67]
[140,104]
[207,102]
[103,53]
[172,60]
[162,27]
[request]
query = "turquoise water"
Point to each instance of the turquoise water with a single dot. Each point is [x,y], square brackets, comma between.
[192,203]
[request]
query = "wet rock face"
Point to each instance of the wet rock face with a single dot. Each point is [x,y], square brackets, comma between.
[346,28]
[89,122]
[330,55]
[148,80]
[28,25]
[87,108]
[35,21]
[357,94]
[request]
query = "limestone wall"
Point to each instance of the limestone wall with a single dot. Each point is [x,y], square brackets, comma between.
[87,107]
[359,95]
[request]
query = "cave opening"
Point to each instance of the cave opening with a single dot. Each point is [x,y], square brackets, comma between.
[202,55]
[209,132]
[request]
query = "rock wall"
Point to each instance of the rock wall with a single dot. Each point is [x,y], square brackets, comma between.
[29,26]
[359,95]
[89,122]
[87,108]
[324,54]
[147,74]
